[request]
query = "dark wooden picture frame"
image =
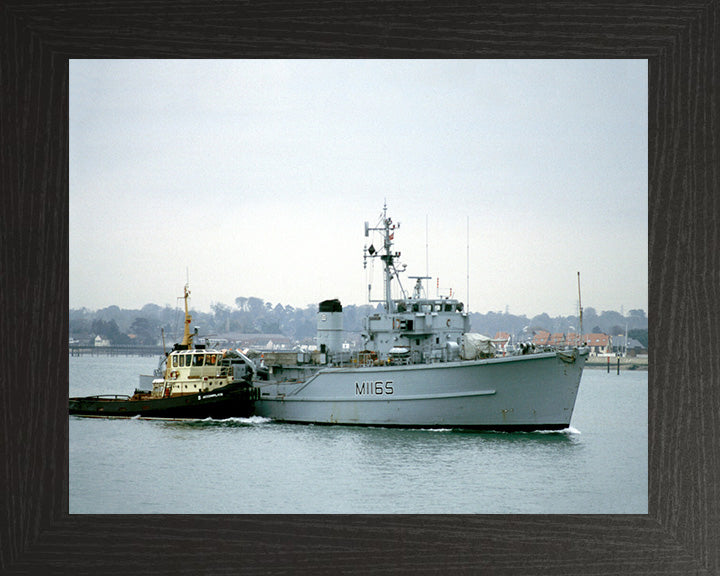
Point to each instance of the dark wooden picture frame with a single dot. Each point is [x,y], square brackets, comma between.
[681,533]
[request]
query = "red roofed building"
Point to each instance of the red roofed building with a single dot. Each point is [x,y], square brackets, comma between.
[598,343]
[557,339]
[574,339]
[541,338]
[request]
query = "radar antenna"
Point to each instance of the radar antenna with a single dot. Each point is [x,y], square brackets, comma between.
[418,290]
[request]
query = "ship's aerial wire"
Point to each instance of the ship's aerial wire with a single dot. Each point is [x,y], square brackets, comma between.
[467,267]
[427,266]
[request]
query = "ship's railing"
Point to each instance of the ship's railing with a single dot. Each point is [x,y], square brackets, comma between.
[366,358]
[109,397]
[225,372]
[526,348]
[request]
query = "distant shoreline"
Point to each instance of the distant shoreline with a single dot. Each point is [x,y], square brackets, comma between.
[593,363]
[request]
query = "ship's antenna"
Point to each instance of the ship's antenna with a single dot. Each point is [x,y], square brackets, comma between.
[427,266]
[580,307]
[467,267]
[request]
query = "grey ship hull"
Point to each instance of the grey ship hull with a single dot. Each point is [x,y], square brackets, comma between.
[531,392]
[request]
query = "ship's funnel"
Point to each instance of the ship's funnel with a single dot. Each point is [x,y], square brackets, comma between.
[330,326]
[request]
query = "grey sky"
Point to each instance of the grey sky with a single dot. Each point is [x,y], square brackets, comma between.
[257,177]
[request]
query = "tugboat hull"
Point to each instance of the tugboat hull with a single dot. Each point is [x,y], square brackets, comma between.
[234,400]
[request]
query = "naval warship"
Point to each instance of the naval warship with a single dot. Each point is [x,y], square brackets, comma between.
[420,367]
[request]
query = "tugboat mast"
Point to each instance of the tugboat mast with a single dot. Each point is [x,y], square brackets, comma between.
[187,336]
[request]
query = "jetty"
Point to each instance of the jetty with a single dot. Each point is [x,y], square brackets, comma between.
[128,350]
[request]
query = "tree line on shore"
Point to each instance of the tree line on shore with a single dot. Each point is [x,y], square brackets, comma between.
[255,316]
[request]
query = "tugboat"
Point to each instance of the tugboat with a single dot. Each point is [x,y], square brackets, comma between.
[420,367]
[192,381]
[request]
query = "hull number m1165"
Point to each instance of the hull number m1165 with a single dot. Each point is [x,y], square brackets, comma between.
[375,388]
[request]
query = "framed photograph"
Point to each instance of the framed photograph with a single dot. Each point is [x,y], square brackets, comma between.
[677,530]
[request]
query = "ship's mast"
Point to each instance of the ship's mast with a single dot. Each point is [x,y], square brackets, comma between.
[580,308]
[187,336]
[388,257]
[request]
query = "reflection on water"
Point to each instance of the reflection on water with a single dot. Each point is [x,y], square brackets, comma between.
[372,433]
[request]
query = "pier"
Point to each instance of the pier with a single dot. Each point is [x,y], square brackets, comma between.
[83,350]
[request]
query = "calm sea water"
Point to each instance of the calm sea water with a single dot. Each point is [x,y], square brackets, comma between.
[238,466]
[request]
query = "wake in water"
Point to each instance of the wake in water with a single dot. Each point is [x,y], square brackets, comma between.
[230,422]
[209,422]
[564,432]
[250,420]
[567,431]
